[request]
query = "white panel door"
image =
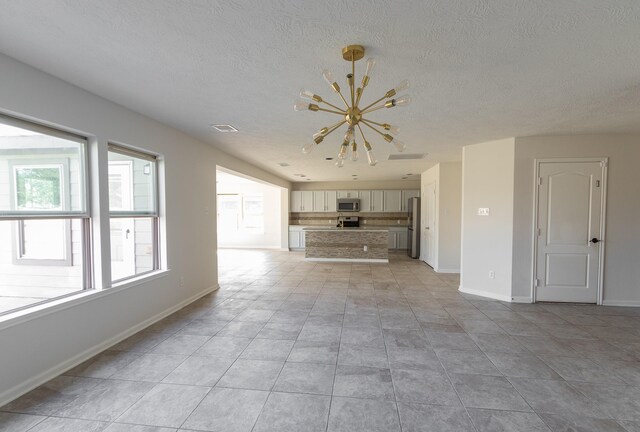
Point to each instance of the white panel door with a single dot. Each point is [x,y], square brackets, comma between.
[429,225]
[569,219]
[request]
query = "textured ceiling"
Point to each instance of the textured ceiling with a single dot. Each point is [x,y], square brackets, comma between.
[480,70]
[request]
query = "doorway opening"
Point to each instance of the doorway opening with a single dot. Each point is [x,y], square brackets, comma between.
[249,212]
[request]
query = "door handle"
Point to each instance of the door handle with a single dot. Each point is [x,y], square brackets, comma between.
[595,240]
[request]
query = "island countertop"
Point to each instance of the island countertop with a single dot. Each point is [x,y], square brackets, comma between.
[363,229]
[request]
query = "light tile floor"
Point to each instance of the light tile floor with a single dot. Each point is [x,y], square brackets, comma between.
[286,345]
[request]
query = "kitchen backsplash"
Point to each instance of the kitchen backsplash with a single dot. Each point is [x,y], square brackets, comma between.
[366,219]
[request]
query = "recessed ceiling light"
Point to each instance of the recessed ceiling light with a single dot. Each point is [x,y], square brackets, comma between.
[283,164]
[300,175]
[409,174]
[354,175]
[224,128]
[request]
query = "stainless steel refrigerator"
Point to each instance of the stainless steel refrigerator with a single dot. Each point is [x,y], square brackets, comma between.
[413,239]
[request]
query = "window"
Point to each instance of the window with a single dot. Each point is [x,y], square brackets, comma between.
[133,209]
[253,213]
[240,213]
[43,215]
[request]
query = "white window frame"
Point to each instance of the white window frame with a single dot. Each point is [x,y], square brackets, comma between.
[18,216]
[153,214]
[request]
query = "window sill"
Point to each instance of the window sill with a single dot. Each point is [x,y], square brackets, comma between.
[20,316]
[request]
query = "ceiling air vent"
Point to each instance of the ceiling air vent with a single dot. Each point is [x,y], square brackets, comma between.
[224,128]
[408,156]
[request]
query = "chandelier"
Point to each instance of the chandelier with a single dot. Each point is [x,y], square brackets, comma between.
[352,115]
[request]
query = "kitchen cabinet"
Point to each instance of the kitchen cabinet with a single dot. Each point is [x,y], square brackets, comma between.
[301,201]
[365,200]
[398,238]
[296,238]
[324,201]
[406,195]
[348,194]
[377,201]
[392,201]
[331,197]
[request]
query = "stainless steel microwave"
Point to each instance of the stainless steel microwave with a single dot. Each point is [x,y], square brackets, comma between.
[348,205]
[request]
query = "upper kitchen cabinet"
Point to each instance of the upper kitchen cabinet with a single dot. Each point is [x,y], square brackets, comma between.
[365,200]
[406,194]
[301,201]
[377,201]
[348,194]
[392,201]
[324,201]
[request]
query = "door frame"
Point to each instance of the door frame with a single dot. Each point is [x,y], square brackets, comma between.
[604,164]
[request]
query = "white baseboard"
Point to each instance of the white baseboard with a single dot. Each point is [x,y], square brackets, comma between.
[439,270]
[24,387]
[624,303]
[521,300]
[485,294]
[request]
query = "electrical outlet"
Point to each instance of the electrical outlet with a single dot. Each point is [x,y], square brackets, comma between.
[492,274]
[398,221]
[365,248]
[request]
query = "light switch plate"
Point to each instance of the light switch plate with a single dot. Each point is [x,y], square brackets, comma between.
[483,211]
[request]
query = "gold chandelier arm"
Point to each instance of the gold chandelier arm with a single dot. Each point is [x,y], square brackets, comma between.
[378,124]
[352,80]
[332,111]
[385,136]
[331,105]
[363,110]
[373,109]
[359,92]
[334,127]
[343,99]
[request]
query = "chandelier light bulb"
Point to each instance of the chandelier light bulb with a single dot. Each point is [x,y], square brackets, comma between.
[306,94]
[301,105]
[354,151]
[402,86]
[340,163]
[328,77]
[403,100]
[308,147]
[371,158]
[371,65]
[343,151]
[399,145]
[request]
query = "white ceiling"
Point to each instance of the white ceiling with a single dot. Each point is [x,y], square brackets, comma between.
[480,70]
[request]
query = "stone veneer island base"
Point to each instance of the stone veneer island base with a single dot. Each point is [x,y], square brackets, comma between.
[346,245]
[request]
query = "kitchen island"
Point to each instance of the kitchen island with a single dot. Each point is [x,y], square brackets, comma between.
[346,244]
